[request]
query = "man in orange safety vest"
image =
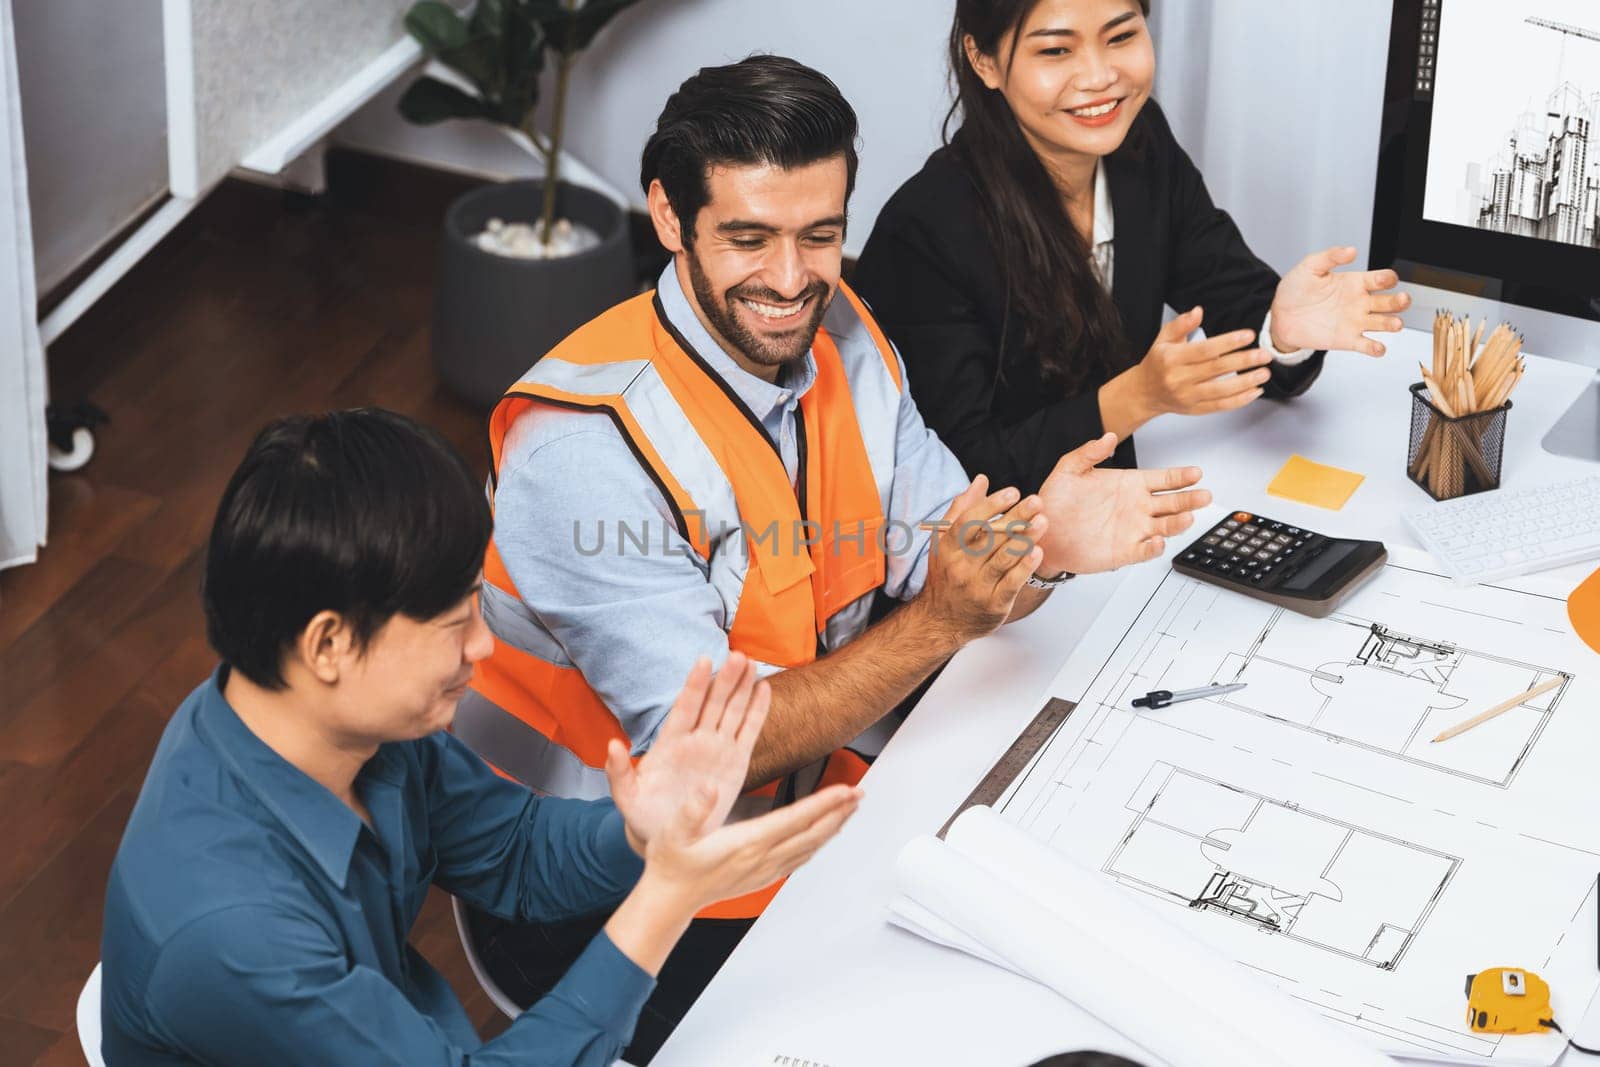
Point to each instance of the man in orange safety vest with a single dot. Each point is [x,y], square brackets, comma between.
[734,462]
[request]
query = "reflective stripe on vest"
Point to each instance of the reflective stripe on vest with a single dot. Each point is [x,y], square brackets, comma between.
[731,499]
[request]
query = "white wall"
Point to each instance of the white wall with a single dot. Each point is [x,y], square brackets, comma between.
[94,115]
[471,147]
[1279,105]
[886,55]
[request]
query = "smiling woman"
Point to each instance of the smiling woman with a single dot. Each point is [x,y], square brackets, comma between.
[1024,270]
[1072,95]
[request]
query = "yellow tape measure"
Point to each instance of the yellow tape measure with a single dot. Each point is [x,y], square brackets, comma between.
[1508,1000]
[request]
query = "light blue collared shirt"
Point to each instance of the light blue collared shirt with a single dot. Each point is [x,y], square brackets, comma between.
[634,622]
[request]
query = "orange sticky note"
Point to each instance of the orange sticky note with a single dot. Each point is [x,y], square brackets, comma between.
[1583,608]
[1315,483]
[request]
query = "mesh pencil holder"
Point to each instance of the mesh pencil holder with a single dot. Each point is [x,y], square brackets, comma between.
[1450,457]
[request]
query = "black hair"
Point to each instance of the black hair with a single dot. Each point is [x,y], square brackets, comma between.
[365,513]
[764,109]
[1067,317]
[1085,1059]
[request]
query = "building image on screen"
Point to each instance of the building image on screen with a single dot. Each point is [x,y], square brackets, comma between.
[1514,144]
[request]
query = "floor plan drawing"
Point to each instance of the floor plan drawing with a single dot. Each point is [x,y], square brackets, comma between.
[1308,826]
[1359,681]
[1220,849]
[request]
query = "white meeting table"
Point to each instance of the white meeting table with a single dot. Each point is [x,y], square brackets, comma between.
[823,978]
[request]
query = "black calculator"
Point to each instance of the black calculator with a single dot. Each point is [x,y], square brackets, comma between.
[1281,564]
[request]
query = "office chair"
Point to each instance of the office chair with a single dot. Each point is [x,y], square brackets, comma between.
[496,995]
[89,1019]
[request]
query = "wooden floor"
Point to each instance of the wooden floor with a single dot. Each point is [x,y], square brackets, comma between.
[261,303]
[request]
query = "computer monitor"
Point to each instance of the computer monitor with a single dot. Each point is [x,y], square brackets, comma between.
[1488,191]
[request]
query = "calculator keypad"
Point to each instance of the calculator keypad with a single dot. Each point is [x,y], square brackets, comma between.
[1254,550]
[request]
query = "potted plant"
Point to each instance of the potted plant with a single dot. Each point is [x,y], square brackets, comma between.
[523,263]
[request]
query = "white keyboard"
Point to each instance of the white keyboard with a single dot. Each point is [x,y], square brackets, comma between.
[1489,536]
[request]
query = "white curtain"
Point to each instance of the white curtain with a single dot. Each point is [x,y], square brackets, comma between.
[23,455]
[1278,104]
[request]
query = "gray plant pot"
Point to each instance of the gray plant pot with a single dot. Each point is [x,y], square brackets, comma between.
[494,316]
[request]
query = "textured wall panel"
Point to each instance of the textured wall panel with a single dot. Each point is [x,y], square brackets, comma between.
[259,64]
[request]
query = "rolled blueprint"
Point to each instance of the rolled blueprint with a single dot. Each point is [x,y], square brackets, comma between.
[1036,912]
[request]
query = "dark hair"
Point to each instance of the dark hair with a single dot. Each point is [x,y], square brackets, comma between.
[764,109]
[1085,1059]
[362,512]
[1065,313]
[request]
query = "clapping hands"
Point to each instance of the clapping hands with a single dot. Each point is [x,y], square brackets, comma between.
[676,800]
[1104,519]
[1318,307]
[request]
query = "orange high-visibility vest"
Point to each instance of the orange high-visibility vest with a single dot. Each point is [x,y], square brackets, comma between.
[531,712]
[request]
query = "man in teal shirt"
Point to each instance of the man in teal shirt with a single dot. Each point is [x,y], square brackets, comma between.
[305,797]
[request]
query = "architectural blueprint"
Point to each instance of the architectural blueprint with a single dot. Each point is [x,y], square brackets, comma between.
[1309,827]
[1217,848]
[1388,691]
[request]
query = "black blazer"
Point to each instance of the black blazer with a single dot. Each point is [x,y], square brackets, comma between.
[932,277]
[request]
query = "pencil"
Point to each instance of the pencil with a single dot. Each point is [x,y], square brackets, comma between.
[1437,394]
[1439,343]
[1495,357]
[1501,708]
[1475,370]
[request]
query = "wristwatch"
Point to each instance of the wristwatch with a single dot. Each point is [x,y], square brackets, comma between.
[1036,582]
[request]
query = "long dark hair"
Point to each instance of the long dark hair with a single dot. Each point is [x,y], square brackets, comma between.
[1068,320]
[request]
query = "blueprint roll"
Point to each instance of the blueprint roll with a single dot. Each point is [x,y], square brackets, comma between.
[994,891]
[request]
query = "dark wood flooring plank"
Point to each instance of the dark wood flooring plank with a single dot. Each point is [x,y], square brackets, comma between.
[66,1052]
[22,1042]
[52,928]
[91,676]
[211,390]
[88,615]
[398,374]
[216,424]
[87,519]
[63,799]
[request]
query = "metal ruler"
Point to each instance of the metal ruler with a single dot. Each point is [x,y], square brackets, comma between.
[1016,758]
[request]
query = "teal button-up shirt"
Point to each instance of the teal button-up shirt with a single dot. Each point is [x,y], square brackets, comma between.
[252,917]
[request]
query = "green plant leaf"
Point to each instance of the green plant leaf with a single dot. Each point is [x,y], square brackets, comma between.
[524,34]
[500,47]
[489,16]
[436,26]
[430,100]
[505,58]
[479,59]
[571,30]
[523,55]
[464,46]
